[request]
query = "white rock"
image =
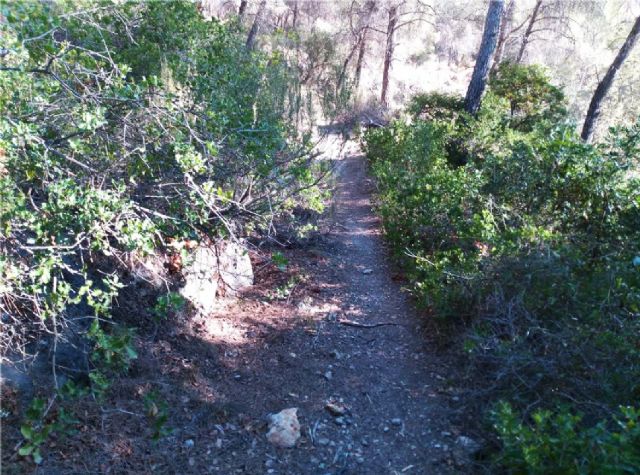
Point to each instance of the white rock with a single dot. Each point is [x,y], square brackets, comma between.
[201,279]
[284,428]
[223,269]
[236,271]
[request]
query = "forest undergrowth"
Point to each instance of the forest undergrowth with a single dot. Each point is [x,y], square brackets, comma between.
[131,133]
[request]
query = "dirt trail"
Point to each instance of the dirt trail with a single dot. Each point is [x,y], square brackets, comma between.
[301,353]
[284,344]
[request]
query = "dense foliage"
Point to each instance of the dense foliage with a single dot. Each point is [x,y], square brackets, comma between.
[510,225]
[127,126]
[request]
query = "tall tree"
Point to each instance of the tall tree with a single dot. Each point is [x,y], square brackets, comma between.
[242,8]
[360,60]
[527,34]
[388,52]
[485,57]
[593,114]
[360,17]
[505,25]
[251,38]
[399,15]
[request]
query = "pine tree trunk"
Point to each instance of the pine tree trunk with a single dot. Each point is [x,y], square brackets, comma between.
[527,33]
[294,22]
[345,65]
[360,60]
[593,114]
[507,18]
[388,53]
[242,9]
[251,38]
[485,56]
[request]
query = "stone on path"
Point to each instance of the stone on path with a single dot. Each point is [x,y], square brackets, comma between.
[284,428]
[221,269]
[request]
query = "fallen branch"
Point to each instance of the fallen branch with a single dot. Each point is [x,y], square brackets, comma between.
[351,323]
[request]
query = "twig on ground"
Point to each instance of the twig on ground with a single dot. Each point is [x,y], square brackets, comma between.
[351,323]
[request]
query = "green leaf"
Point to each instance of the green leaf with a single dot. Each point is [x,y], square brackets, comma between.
[26,450]
[37,457]
[27,431]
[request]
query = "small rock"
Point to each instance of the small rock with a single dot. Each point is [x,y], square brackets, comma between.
[468,444]
[335,409]
[323,441]
[218,443]
[396,422]
[340,421]
[189,443]
[367,271]
[385,429]
[284,428]
[192,461]
[335,354]
[328,375]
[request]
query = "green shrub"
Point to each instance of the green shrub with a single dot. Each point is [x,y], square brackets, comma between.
[124,124]
[562,444]
[525,239]
[435,106]
[532,98]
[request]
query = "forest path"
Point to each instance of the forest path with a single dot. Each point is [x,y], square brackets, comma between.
[289,341]
[301,350]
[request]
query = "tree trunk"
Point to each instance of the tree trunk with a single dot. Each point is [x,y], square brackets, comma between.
[505,24]
[242,9]
[593,114]
[294,23]
[485,55]
[251,39]
[345,65]
[359,61]
[388,53]
[527,33]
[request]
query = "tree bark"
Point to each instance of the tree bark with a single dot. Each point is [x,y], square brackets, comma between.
[251,38]
[242,9]
[485,56]
[593,114]
[294,22]
[345,65]
[505,24]
[527,33]
[388,53]
[360,60]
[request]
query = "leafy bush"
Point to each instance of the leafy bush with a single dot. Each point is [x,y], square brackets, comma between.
[106,148]
[125,125]
[435,106]
[514,230]
[532,98]
[560,444]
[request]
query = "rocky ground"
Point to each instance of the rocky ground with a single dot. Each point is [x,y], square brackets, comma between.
[332,335]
